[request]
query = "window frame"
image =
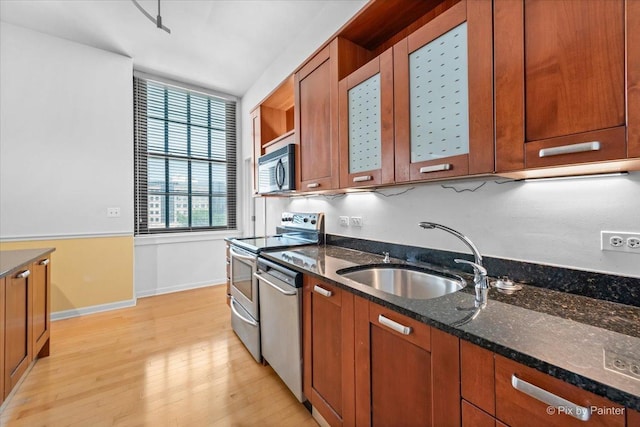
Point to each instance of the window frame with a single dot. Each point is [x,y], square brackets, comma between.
[142,153]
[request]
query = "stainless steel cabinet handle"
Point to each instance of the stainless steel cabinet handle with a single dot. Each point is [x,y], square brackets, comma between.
[23,275]
[570,149]
[404,330]
[322,291]
[241,256]
[436,168]
[44,262]
[273,285]
[237,313]
[313,185]
[362,178]
[569,408]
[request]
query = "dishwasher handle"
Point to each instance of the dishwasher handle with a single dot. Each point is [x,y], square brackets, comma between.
[261,277]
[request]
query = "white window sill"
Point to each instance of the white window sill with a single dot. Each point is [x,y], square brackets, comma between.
[198,236]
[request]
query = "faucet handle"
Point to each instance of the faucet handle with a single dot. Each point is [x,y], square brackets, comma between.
[480,273]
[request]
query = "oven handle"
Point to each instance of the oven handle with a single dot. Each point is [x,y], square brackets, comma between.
[241,256]
[273,285]
[237,313]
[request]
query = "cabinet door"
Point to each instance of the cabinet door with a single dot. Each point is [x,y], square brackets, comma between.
[41,306]
[328,351]
[560,82]
[18,315]
[406,373]
[316,93]
[366,124]
[443,80]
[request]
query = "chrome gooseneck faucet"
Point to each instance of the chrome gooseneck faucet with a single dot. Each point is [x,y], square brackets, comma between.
[480,273]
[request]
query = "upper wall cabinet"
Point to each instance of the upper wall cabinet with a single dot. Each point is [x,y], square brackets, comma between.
[561,80]
[366,124]
[443,90]
[316,113]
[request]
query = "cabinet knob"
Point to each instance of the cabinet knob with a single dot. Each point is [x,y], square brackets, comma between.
[44,262]
[313,185]
[23,275]
[570,149]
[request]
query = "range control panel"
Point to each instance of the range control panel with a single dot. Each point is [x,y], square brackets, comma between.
[306,221]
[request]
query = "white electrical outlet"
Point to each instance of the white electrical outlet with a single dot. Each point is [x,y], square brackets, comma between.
[356,221]
[344,221]
[113,212]
[620,241]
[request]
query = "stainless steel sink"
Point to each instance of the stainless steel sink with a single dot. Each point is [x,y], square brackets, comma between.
[405,281]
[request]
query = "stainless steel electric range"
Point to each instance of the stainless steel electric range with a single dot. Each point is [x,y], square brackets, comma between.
[296,229]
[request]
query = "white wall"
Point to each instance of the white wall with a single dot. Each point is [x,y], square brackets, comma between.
[326,23]
[66,126]
[547,222]
[174,263]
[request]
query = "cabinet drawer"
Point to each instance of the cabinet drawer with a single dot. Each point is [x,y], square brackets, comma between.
[414,331]
[521,393]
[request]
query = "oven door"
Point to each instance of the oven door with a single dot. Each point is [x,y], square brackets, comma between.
[244,286]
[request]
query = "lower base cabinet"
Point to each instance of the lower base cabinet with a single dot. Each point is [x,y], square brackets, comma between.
[407,373]
[328,351]
[488,390]
[25,305]
[366,365]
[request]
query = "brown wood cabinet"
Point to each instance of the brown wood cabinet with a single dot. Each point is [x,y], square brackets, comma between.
[41,306]
[316,113]
[561,81]
[443,89]
[407,373]
[328,351]
[19,325]
[487,385]
[366,124]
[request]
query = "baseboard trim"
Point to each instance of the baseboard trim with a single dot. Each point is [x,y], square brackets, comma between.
[178,288]
[75,312]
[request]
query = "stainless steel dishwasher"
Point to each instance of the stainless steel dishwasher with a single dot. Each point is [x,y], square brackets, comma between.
[280,291]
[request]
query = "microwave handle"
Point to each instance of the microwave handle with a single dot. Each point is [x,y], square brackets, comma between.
[280,177]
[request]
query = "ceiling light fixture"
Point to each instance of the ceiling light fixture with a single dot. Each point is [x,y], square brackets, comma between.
[157,20]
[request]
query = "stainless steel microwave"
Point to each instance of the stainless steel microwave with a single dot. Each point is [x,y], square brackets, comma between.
[276,171]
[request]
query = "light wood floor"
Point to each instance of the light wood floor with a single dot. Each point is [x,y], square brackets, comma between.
[172,360]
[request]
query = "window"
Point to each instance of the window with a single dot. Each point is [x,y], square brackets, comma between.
[185,159]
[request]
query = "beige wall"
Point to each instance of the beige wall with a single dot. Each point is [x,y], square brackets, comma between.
[86,272]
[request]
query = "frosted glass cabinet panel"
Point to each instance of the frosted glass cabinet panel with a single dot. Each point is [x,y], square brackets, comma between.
[443,88]
[366,124]
[365,148]
[439,97]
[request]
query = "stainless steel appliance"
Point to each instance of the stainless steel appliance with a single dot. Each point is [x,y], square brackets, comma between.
[281,322]
[276,171]
[296,229]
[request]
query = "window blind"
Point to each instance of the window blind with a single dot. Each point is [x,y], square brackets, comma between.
[184,159]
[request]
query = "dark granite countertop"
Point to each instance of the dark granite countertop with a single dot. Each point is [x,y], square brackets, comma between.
[564,335]
[11,261]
